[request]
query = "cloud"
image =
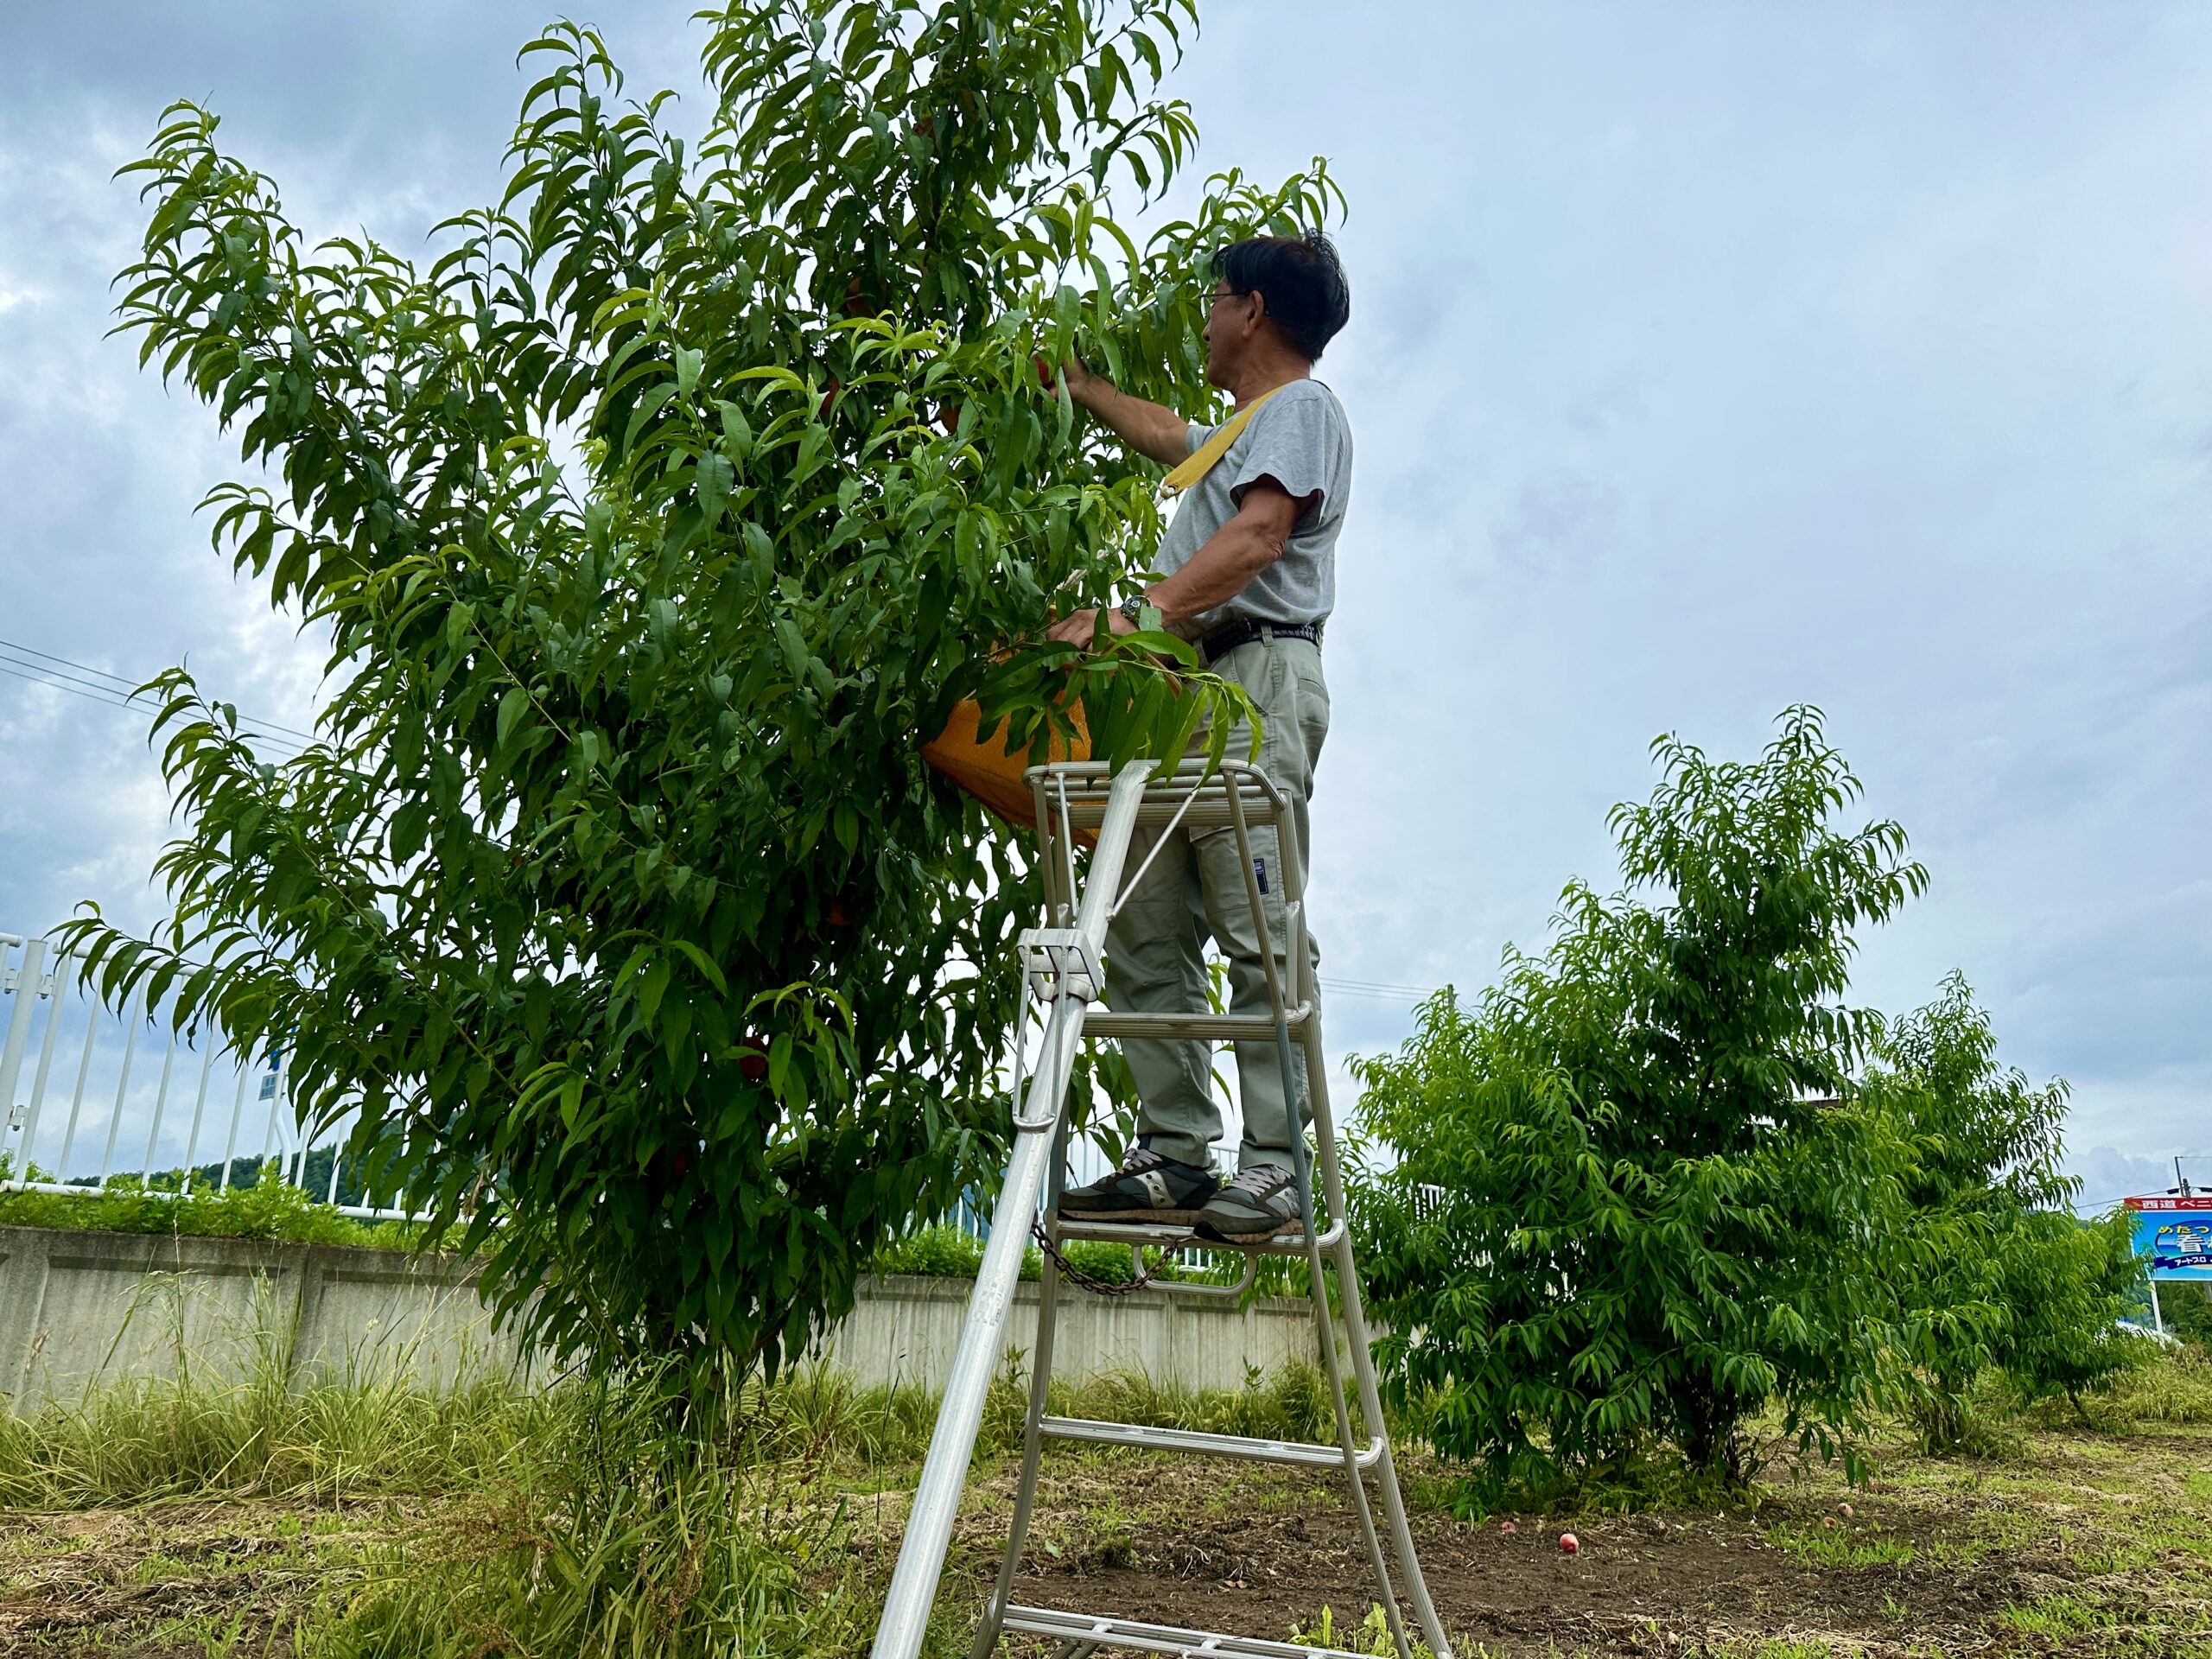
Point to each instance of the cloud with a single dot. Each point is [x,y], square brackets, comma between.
[2108,1175]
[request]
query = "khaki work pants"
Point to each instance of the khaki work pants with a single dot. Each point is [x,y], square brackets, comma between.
[1195,890]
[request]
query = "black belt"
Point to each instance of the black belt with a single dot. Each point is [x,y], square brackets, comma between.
[1229,635]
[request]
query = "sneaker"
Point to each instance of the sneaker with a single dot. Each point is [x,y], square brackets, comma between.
[1261,1202]
[1146,1188]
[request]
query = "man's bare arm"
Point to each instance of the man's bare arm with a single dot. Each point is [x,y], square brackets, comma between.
[1218,572]
[1155,433]
[1233,554]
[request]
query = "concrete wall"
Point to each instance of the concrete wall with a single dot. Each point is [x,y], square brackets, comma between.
[79,1307]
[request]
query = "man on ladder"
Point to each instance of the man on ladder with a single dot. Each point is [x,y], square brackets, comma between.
[1248,573]
[1249,568]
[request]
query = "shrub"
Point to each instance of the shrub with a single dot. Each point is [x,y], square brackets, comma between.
[269,1208]
[653,526]
[1993,1267]
[2186,1310]
[1627,1201]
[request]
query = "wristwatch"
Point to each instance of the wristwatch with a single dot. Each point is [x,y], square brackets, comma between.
[1133,608]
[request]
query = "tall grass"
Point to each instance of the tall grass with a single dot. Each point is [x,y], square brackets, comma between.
[633,1517]
[241,1424]
[715,1528]
[2174,1391]
[645,1527]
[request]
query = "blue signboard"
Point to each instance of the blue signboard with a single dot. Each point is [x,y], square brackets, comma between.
[2173,1235]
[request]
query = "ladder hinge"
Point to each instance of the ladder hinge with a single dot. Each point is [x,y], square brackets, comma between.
[1060,963]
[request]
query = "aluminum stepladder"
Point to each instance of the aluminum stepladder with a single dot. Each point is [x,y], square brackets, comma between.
[1062,964]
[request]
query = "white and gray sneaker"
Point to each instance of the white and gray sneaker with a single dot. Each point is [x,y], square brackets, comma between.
[1146,1188]
[1261,1202]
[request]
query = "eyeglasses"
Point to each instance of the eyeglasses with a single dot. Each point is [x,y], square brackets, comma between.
[1221,293]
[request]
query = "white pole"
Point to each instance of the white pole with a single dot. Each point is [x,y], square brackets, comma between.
[238,1111]
[198,1110]
[337,1152]
[276,1099]
[160,1104]
[53,994]
[130,1047]
[19,1028]
[77,1099]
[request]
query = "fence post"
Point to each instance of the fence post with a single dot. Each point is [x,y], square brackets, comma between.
[27,978]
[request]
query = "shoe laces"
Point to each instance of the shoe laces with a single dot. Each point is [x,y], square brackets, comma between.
[1262,1179]
[1139,1158]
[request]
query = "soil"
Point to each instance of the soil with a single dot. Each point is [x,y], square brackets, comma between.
[2079,1543]
[2093,1545]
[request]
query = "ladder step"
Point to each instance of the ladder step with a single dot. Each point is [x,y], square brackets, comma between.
[1179,1238]
[1304,1453]
[1083,1632]
[1215,1027]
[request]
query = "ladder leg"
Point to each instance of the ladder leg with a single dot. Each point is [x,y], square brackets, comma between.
[1279,993]
[1318,1283]
[945,1471]
[1363,1359]
[1033,1439]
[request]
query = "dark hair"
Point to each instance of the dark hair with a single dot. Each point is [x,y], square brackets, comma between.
[1302,279]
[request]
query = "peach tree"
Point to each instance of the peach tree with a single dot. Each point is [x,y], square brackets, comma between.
[1634,1200]
[653,523]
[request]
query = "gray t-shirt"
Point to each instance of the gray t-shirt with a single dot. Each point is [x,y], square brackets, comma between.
[1303,441]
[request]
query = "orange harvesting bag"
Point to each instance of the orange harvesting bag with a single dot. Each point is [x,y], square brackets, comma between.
[981,765]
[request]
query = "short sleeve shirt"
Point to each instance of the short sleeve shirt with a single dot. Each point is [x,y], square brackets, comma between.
[1302,439]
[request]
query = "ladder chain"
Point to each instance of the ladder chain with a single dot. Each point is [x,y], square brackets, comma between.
[1091,1282]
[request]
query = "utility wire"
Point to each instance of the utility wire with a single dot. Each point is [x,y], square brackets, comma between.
[118,690]
[40,679]
[33,650]
[281,744]
[1374,989]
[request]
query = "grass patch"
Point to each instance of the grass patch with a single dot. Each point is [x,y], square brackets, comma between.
[2175,1392]
[1370,1635]
[1840,1546]
[2057,1617]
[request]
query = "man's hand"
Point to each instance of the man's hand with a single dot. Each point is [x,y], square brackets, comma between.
[1080,627]
[1156,432]
[1080,379]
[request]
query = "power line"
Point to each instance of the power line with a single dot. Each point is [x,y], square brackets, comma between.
[33,650]
[129,689]
[41,671]
[1376,988]
[40,679]
[78,689]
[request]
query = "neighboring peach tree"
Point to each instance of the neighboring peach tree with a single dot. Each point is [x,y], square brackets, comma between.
[652,527]
[1997,1272]
[1632,1200]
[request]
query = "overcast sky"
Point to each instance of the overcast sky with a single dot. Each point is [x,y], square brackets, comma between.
[1703,359]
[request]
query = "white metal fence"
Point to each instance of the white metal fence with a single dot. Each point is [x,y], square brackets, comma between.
[91,1097]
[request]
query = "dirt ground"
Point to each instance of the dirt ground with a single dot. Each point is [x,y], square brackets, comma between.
[2082,1543]
[2086,1544]
[181,1579]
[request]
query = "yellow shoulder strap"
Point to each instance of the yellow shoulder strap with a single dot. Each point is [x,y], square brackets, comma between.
[1200,460]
